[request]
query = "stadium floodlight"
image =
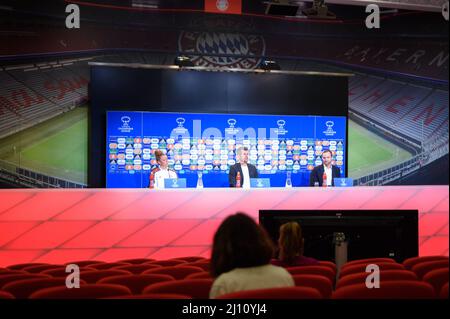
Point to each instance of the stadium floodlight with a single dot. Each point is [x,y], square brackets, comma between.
[319,10]
[269,65]
[183,61]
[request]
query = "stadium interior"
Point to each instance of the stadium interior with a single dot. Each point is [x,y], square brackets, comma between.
[398,120]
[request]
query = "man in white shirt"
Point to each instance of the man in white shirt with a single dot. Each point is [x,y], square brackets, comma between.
[330,170]
[245,170]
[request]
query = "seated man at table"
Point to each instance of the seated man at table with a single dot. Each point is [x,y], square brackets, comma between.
[243,169]
[331,171]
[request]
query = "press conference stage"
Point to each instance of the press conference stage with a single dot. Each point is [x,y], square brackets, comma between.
[62,225]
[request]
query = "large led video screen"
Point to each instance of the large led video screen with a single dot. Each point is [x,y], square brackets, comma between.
[207,143]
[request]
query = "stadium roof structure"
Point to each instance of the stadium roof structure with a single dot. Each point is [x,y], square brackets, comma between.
[416,5]
[248,6]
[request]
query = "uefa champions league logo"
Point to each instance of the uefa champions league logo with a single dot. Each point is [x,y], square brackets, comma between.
[343,182]
[125,121]
[281,130]
[222,5]
[281,124]
[231,130]
[329,131]
[180,129]
[180,121]
[231,122]
[125,128]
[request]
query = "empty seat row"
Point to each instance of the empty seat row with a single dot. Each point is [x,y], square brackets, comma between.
[141,276]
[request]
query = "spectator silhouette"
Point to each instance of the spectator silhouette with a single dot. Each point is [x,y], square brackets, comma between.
[241,257]
[290,244]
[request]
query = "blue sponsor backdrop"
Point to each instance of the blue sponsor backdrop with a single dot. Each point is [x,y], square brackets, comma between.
[207,143]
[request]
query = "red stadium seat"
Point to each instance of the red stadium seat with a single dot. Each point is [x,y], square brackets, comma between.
[6,279]
[329,264]
[204,264]
[85,263]
[61,271]
[89,291]
[385,275]
[422,269]
[168,263]
[313,270]
[444,291]
[136,261]
[388,290]
[178,272]
[322,284]
[190,259]
[56,272]
[21,266]
[411,262]
[11,272]
[137,268]
[105,266]
[275,293]
[196,288]
[368,261]
[152,296]
[24,288]
[40,268]
[136,283]
[437,278]
[93,276]
[353,269]
[5,295]
[199,275]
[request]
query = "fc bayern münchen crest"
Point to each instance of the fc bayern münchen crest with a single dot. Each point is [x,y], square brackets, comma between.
[222,50]
[222,5]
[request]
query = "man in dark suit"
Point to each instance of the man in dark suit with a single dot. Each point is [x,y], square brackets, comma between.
[245,169]
[331,170]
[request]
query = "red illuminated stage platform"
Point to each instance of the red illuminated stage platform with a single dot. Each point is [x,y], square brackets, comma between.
[57,226]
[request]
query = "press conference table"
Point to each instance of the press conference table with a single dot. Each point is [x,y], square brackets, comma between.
[59,225]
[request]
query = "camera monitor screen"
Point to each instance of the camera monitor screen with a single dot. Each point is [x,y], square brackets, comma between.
[369,233]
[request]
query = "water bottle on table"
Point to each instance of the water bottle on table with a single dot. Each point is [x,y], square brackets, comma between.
[199,180]
[288,180]
[238,179]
